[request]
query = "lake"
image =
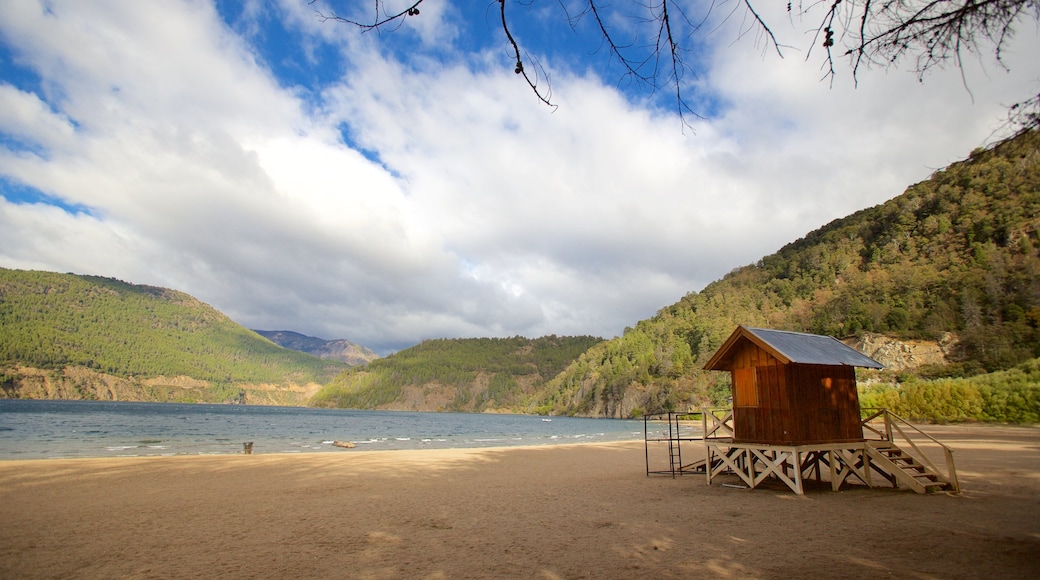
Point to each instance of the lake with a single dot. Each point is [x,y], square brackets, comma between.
[31,429]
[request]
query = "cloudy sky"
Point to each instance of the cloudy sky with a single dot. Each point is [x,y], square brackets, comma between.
[393,186]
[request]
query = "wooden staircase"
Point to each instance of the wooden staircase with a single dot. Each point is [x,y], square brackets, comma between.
[902,469]
[907,467]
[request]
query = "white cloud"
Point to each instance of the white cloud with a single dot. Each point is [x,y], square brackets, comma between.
[44,237]
[468,208]
[24,116]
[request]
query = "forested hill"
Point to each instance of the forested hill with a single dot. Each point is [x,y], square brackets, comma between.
[955,254]
[69,336]
[469,375]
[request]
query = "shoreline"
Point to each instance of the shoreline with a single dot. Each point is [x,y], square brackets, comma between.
[549,511]
[332,450]
[326,454]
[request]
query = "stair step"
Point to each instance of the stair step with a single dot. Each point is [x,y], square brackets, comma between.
[901,468]
[925,480]
[916,466]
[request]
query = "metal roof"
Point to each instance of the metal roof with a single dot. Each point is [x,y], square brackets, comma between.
[814,349]
[798,347]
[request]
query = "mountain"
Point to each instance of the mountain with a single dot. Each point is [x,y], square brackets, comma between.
[466,375]
[942,283]
[952,262]
[71,336]
[341,349]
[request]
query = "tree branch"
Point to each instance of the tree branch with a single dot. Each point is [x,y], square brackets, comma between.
[872,32]
[520,70]
[378,21]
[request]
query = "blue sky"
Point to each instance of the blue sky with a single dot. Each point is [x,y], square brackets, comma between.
[396,186]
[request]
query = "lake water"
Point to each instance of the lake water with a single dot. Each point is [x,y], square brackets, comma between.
[60,429]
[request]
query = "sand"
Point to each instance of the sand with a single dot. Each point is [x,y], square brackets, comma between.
[581,511]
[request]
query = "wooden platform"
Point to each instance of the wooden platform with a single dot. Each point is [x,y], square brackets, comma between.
[890,454]
[754,463]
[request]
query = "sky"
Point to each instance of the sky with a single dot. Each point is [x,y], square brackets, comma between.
[404,184]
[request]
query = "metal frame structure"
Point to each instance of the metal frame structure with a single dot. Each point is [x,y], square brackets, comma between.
[673,437]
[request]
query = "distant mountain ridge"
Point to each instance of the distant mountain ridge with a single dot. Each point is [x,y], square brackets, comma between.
[342,349]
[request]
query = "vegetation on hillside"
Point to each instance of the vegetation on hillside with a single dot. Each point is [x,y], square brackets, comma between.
[52,321]
[957,253]
[1010,396]
[475,374]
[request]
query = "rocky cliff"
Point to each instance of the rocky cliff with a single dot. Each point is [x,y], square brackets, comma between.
[907,355]
[78,383]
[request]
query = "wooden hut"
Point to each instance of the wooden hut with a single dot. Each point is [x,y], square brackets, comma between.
[791,388]
[796,411]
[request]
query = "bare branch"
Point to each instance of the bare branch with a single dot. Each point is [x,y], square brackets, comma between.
[930,33]
[934,31]
[632,67]
[826,28]
[1024,116]
[765,27]
[678,66]
[520,70]
[380,19]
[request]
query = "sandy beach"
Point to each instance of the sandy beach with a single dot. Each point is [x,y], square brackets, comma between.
[579,511]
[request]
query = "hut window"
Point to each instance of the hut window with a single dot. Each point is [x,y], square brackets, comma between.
[745,388]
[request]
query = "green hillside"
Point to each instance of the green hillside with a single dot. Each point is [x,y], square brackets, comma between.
[114,329]
[473,375]
[957,254]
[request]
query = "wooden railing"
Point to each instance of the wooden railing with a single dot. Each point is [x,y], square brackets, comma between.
[895,427]
[717,423]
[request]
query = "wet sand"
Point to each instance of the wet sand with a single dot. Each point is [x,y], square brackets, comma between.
[579,511]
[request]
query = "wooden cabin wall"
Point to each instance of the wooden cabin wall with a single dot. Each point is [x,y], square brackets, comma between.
[792,404]
[827,403]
